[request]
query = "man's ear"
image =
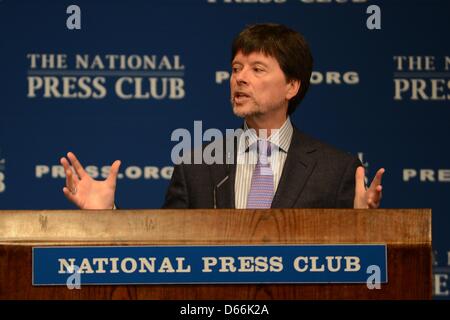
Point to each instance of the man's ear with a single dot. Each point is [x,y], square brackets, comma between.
[293,88]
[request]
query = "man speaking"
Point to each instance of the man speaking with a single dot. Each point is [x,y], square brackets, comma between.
[276,165]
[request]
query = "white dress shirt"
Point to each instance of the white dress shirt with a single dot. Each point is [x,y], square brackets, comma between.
[247,157]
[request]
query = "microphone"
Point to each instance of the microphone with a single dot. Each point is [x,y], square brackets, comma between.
[228,162]
[216,189]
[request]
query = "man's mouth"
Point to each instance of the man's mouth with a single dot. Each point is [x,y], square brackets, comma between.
[240,97]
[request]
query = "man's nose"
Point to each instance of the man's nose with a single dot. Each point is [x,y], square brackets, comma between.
[242,76]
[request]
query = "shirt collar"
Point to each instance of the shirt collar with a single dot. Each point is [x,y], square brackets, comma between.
[280,138]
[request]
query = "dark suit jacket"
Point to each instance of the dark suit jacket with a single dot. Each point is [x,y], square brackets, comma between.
[315,175]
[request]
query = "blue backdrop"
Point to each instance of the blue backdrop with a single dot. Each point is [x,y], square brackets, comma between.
[382,94]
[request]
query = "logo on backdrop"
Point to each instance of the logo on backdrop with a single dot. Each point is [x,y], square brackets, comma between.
[441,276]
[422,78]
[2,173]
[317,77]
[89,76]
[426,175]
[321,2]
[43,171]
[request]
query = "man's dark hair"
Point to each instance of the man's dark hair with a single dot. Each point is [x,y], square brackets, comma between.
[287,46]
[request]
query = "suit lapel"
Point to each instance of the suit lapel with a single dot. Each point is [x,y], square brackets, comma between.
[300,163]
[297,169]
[223,179]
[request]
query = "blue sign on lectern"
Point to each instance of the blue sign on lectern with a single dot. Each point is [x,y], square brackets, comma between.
[103,265]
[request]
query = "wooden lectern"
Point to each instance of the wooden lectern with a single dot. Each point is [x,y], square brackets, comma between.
[407,234]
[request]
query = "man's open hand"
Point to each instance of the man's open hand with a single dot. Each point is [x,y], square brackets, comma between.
[85,192]
[371,197]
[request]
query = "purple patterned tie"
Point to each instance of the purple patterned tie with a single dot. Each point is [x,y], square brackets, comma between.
[262,189]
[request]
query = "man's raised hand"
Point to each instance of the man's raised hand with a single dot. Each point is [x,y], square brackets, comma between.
[371,197]
[85,192]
